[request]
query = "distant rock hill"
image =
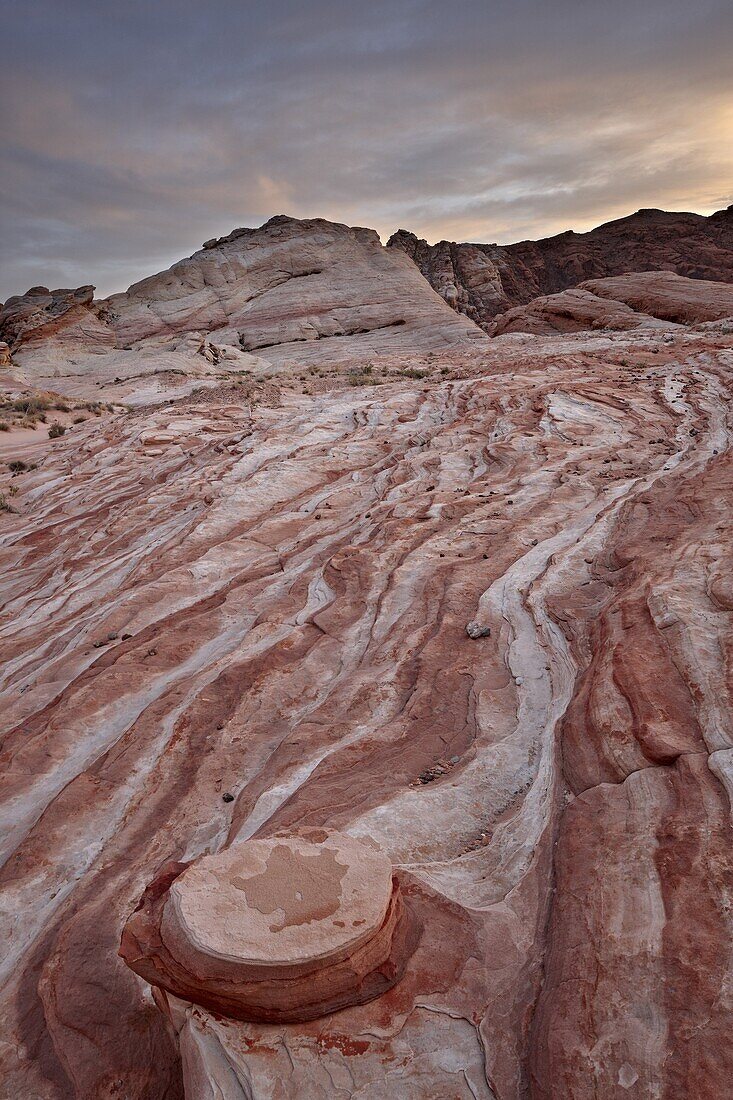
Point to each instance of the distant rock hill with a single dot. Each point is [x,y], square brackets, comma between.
[312,293]
[290,293]
[485,280]
[308,283]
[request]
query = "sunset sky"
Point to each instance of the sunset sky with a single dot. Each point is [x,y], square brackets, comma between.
[133,131]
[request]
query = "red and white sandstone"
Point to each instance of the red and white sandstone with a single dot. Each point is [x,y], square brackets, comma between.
[295,292]
[228,622]
[277,931]
[289,294]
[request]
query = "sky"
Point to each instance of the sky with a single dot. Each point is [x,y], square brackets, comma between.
[131,132]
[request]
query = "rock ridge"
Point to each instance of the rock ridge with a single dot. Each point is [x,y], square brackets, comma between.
[484,280]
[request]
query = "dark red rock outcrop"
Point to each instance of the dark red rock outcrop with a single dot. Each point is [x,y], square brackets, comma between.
[644,300]
[668,296]
[40,314]
[483,280]
[574,310]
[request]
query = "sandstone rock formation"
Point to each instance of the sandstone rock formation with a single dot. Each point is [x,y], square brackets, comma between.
[467,276]
[278,931]
[480,614]
[293,291]
[41,313]
[668,296]
[574,310]
[644,299]
[483,280]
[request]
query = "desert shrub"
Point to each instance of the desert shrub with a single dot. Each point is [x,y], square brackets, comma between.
[17,467]
[56,430]
[4,426]
[30,405]
[80,420]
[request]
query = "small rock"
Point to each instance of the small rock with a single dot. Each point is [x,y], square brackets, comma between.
[475,630]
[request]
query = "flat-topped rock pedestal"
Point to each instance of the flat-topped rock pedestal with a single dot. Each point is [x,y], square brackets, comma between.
[280,930]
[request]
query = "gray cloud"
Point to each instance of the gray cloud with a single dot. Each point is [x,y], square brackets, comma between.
[133,132]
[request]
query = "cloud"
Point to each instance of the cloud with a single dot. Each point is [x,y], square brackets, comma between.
[133,132]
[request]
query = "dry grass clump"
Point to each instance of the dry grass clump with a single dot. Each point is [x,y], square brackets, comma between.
[32,409]
[363,376]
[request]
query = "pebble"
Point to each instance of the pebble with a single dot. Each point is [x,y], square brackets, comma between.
[476,630]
